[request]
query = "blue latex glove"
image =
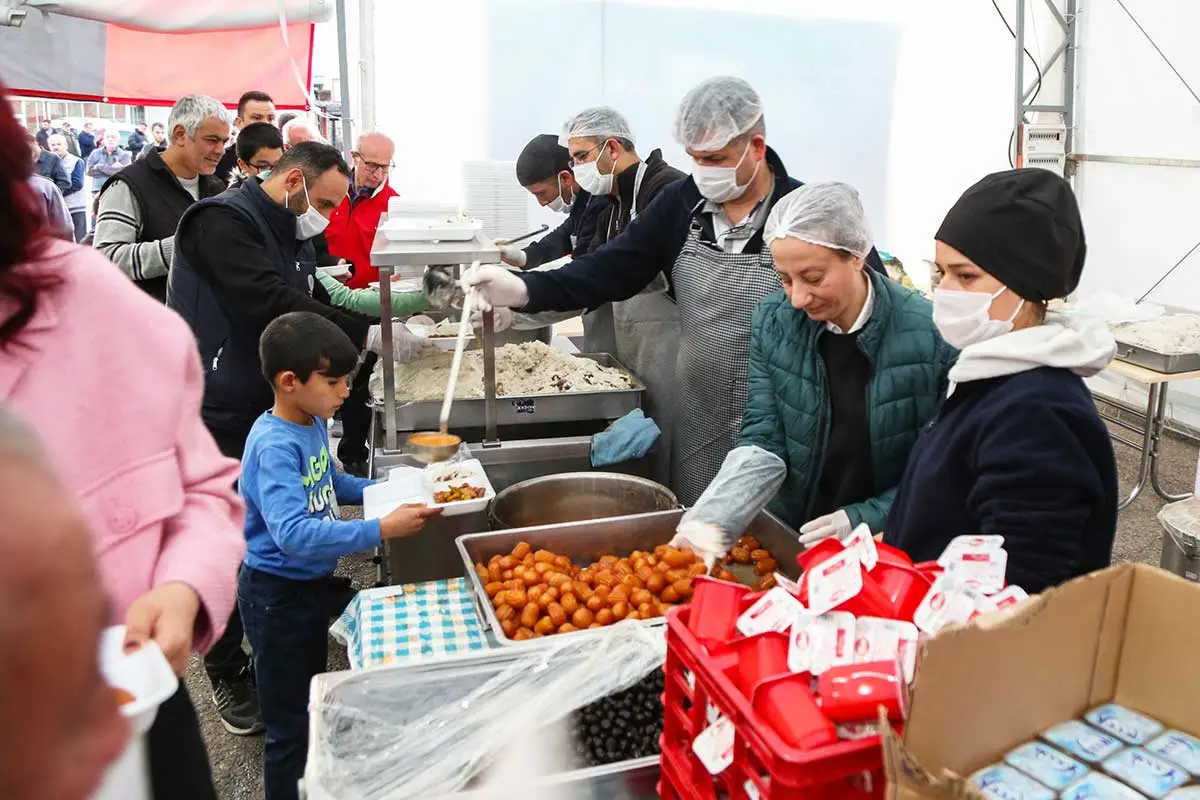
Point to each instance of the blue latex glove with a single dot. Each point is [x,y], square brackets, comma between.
[630,437]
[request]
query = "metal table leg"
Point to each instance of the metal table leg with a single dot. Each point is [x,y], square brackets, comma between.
[1149,434]
[1160,416]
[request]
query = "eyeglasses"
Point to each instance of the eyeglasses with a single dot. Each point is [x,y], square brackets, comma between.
[580,157]
[372,166]
[261,165]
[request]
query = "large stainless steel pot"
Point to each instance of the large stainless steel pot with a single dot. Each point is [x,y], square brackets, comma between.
[577,496]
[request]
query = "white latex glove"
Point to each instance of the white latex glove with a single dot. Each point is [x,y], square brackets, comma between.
[502,319]
[495,287]
[511,254]
[835,524]
[707,541]
[406,345]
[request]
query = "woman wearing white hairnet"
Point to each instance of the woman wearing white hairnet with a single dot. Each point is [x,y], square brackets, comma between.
[705,234]
[846,367]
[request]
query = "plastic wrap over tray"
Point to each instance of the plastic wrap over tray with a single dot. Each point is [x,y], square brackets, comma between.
[437,729]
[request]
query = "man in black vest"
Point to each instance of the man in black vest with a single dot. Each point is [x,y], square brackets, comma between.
[141,205]
[241,259]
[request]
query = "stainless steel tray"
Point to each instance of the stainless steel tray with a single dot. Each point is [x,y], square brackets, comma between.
[1159,362]
[584,542]
[527,409]
[625,780]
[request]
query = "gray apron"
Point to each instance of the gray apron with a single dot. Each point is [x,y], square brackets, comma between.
[646,329]
[599,334]
[717,293]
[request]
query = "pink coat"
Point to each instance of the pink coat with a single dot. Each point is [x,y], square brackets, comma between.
[111,381]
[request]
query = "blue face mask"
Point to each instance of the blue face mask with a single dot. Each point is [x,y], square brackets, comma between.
[266,173]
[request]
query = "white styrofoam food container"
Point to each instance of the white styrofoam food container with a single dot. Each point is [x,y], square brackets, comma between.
[336,270]
[146,675]
[412,229]
[412,485]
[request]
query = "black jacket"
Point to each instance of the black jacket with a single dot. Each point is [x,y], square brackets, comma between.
[1024,456]
[161,202]
[87,143]
[580,224]
[614,218]
[649,245]
[51,167]
[237,267]
[227,164]
[137,140]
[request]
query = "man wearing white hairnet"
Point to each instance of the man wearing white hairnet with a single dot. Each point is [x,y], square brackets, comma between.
[846,368]
[705,235]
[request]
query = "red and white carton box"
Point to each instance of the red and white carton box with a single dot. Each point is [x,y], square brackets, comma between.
[774,611]
[834,641]
[860,539]
[802,643]
[834,581]
[878,639]
[857,730]
[945,603]
[787,584]
[981,570]
[714,746]
[975,543]
[1010,596]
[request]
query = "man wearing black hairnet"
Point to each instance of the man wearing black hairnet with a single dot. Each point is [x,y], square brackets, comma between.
[544,169]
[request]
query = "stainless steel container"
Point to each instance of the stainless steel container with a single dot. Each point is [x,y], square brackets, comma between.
[577,496]
[585,542]
[1181,538]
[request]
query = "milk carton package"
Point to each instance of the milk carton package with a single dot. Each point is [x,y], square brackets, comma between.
[1179,748]
[1082,741]
[1147,773]
[1002,782]
[1098,786]
[1047,765]
[1128,726]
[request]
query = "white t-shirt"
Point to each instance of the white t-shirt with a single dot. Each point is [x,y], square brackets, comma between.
[192,185]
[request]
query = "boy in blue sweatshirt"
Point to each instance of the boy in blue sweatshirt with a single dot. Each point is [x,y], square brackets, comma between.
[294,533]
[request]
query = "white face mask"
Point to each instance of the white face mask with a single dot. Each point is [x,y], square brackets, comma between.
[558,205]
[962,317]
[589,177]
[719,184]
[310,223]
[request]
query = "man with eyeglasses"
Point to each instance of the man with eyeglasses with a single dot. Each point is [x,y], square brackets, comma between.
[352,226]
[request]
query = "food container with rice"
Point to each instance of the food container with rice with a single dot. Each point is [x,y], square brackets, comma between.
[457,488]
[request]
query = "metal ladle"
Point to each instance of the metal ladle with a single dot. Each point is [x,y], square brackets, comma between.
[430,447]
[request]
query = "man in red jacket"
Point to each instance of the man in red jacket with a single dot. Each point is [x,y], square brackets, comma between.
[352,226]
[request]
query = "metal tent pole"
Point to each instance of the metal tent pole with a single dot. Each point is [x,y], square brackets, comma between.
[344,78]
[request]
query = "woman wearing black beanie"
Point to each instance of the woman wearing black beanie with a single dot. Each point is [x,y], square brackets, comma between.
[1017,448]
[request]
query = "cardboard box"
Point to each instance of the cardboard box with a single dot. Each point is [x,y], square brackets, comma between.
[1128,634]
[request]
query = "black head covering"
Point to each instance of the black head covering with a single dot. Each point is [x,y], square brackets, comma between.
[542,159]
[1023,228]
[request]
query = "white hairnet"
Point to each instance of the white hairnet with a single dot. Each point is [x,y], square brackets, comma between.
[600,122]
[716,112]
[829,214]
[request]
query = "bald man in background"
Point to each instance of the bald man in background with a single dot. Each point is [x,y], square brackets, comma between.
[350,233]
[70,727]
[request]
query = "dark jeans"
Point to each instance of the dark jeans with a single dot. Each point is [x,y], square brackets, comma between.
[227,660]
[179,767]
[79,221]
[287,623]
[356,415]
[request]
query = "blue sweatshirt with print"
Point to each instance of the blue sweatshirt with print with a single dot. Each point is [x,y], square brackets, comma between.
[292,490]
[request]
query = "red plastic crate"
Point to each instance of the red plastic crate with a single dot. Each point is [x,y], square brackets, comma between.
[764,766]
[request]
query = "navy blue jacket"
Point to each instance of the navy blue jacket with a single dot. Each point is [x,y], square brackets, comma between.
[648,245]
[1024,456]
[580,224]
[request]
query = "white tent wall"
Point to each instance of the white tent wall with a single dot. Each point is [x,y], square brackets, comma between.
[1140,219]
[945,122]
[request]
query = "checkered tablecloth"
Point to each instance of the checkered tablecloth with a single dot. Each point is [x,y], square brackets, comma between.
[410,623]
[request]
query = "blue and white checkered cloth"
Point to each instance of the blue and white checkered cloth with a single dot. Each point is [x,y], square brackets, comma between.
[410,623]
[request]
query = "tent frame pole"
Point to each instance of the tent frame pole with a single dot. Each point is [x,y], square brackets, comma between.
[344,80]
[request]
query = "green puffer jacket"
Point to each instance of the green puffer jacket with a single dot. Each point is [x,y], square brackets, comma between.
[788,409]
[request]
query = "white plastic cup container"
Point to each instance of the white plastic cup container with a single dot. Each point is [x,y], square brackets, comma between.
[146,675]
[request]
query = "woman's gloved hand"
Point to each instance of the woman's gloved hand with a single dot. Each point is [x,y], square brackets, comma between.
[705,540]
[835,524]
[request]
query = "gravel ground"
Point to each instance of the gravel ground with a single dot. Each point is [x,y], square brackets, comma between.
[237,761]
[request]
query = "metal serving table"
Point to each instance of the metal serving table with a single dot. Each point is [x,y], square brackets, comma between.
[1152,429]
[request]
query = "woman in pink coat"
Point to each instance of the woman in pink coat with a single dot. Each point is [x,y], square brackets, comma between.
[112,382]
